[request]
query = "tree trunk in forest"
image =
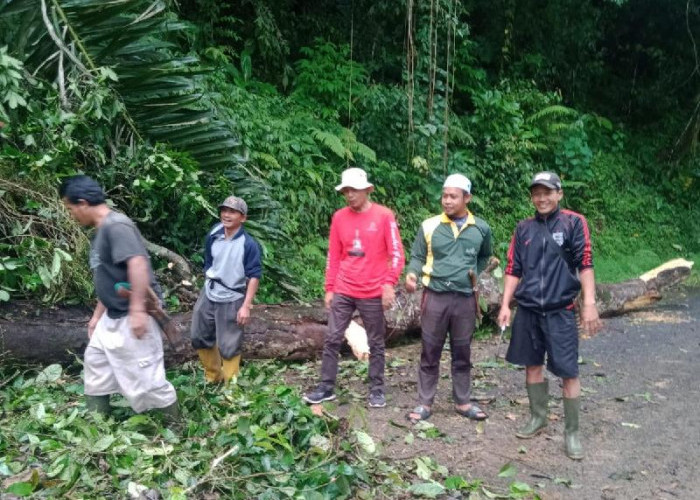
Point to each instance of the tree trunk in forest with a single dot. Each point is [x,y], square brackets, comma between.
[287,331]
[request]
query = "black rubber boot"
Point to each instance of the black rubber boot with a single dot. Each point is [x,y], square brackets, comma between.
[98,404]
[574,450]
[539,399]
[171,414]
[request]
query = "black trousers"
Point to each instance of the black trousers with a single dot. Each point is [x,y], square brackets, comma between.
[442,313]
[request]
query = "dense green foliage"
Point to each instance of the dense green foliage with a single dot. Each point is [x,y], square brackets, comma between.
[253,439]
[174,106]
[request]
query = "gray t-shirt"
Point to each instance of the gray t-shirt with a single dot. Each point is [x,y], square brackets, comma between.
[116,241]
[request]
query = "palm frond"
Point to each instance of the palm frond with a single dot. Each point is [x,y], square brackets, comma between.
[163,91]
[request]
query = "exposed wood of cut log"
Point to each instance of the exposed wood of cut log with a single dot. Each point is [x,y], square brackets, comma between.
[286,331]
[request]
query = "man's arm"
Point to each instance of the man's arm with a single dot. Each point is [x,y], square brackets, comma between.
[419,252]
[96,315]
[589,311]
[509,286]
[252,264]
[485,252]
[244,311]
[332,261]
[510,282]
[139,278]
[397,260]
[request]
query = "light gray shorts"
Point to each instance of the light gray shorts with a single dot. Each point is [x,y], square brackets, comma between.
[117,362]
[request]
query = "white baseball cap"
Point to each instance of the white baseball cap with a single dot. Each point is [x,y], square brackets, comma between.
[355,178]
[458,181]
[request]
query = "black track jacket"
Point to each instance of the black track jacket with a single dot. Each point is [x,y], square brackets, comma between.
[548,280]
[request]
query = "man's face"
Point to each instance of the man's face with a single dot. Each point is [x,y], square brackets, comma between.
[454,201]
[545,199]
[355,198]
[78,211]
[230,218]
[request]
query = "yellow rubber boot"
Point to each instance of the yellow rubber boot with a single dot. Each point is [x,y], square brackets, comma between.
[231,367]
[211,361]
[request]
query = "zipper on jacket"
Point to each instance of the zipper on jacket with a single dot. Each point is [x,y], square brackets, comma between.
[544,252]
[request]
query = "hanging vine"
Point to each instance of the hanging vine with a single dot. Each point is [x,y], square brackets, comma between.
[410,73]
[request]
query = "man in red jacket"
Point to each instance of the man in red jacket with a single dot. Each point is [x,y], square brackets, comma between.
[365,260]
[549,261]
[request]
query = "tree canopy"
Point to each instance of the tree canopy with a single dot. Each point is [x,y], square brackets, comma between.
[175,105]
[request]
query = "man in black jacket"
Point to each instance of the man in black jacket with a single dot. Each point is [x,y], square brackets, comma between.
[549,262]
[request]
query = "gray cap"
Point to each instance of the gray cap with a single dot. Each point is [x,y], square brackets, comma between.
[235,203]
[547,179]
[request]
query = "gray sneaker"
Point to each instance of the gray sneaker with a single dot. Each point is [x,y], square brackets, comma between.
[319,395]
[377,399]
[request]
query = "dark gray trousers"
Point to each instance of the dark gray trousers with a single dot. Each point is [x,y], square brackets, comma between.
[441,313]
[372,315]
[216,324]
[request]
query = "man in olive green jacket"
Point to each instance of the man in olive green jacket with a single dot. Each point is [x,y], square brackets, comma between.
[447,249]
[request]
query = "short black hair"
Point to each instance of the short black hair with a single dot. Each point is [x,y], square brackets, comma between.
[81,187]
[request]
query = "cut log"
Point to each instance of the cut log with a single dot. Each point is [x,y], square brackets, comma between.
[285,331]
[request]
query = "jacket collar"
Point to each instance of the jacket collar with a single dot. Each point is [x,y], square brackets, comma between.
[549,217]
[470,219]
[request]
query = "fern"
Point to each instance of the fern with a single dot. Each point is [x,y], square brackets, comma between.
[556,111]
[332,142]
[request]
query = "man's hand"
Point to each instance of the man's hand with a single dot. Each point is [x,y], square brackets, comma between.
[328,299]
[388,296]
[91,325]
[138,320]
[590,322]
[504,316]
[243,314]
[411,283]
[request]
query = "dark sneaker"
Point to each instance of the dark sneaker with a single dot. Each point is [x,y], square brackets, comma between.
[319,395]
[377,400]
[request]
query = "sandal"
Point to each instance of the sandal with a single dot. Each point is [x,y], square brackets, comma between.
[423,412]
[473,413]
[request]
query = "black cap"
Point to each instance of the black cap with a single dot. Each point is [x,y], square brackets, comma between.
[547,179]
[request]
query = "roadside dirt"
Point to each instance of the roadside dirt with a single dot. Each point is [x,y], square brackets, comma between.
[640,407]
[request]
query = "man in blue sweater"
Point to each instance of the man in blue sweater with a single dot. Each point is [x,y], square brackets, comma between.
[233,268]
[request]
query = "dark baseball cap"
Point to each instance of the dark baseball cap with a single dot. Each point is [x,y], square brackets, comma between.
[235,203]
[547,179]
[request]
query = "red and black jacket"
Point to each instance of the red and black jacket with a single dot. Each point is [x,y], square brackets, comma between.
[549,275]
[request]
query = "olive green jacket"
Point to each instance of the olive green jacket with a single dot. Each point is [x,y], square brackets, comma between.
[443,255]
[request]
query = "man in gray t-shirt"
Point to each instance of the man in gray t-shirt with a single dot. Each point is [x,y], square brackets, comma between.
[116,241]
[125,352]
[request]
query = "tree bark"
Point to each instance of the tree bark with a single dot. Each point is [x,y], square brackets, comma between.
[286,331]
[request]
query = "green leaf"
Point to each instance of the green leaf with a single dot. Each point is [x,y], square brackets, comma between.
[409,438]
[21,489]
[455,483]
[366,442]
[38,411]
[183,476]
[55,265]
[4,296]
[103,443]
[519,488]
[422,468]
[427,490]
[49,374]
[508,470]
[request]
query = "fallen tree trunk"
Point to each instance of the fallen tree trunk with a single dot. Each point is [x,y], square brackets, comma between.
[287,331]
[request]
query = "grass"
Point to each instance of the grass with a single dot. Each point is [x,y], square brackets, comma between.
[612,269]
